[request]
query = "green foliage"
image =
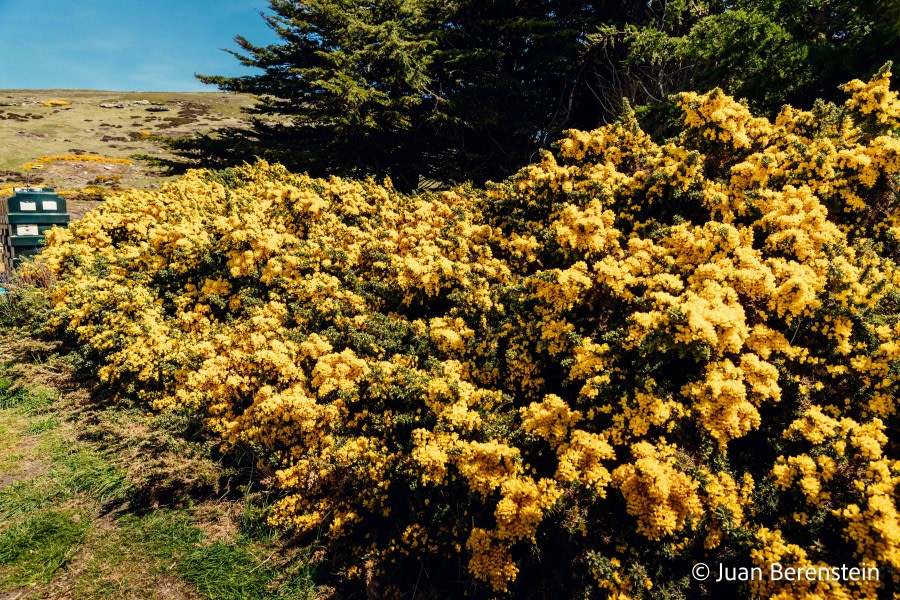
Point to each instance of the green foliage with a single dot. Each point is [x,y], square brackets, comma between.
[25,302]
[24,306]
[43,425]
[407,88]
[10,394]
[32,551]
[771,53]
[226,571]
[432,92]
[25,398]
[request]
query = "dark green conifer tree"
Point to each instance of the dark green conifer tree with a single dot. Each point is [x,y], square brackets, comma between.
[464,90]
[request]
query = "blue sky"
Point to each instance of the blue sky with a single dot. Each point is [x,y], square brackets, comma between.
[124,45]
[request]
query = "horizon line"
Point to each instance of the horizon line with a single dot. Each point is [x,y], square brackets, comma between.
[121,91]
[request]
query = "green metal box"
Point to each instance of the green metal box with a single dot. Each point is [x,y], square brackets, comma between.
[32,200]
[25,218]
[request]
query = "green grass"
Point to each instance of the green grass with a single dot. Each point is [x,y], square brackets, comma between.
[27,399]
[139,549]
[34,550]
[73,469]
[253,521]
[11,457]
[162,533]
[227,572]
[241,572]
[26,496]
[10,395]
[167,544]
[81,508]
[83,470]
[43,425]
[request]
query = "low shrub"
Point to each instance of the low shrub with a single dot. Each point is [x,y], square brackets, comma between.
[25,299]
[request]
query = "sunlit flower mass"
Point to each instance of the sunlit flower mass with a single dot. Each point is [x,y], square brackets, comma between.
[628,357]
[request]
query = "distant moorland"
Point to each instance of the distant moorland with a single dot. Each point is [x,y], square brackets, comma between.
[35,123]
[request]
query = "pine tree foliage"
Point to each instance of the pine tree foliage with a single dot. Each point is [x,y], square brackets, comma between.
[458,91]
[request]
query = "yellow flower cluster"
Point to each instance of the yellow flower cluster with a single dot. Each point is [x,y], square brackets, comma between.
[622,358]
[661,496]
[45,160]
[697,295]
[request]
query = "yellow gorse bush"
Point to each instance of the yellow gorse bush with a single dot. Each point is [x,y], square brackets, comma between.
[45,160]
[628,357]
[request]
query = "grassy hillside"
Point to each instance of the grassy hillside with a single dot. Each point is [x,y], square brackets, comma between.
[112,124]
